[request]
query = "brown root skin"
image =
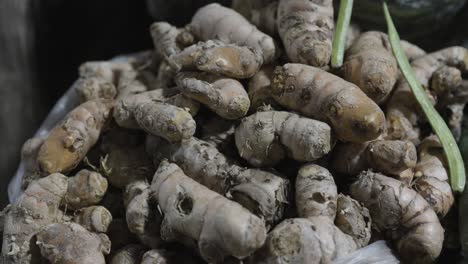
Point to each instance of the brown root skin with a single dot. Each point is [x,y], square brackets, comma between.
[353,219]
[262,192]
[371,66]
[214,21]
[266,138]
[316,192]
[239,62]
[143,219]
[402,215]
[445,79]
[57,240]
[37,207]
[432,176]
[224,96]
[318,94]
[306,29]
[311,240]
[86,188]
[29,153]
[130,254]
[193,210]
[70,140]
[259,88]
[94,218]
[403,113]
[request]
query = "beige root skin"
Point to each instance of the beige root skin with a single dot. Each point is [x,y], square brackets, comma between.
[402,115]
[445,79]
[266,138]
[214,21]
[131,254]
[306,28]
[402,215]
[94,218]
[316,192]
[37,207]
[221,227]
[224,96]
[318,94]
[29,153]
[70,140]
[164,39]
[57,240]
[86,188]
[259,88]
[432,176]
[353,219]
[263,193]
[371,66]
[239,62]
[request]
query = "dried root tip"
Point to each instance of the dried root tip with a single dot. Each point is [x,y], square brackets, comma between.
[86,188]
[371,66]
[226,97]
[214,21]
[402,215]
[316,192]
[37,207]
[165,120]
[318,94]
[265,138]
[190,209]
[306,29]
[56,240]
[70,140]
[29,153]
[353,219]
[130,254]
[305,240]
[94,218]
[432,177]
[144,220]
[215,57]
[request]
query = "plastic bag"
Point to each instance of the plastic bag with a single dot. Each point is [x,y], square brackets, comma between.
[375,253]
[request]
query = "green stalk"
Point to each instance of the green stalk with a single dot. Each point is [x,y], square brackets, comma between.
[452,153]
[342,25]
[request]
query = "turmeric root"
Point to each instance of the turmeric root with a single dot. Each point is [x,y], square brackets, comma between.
[70,243]
[402,215]
[224,96]
[371,65]
[353,219]
[306,28]
[221,227]
[392,157]
[431,180]
[265,138]
[263,193]
[29,153]
[214,21]
[315,93]
[130,254]
[70,140]
[214,56]
[94,218]
[259,88]
[86,188]
[37,207]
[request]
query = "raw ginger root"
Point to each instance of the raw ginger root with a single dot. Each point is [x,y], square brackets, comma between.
[29,153]
[396,158]
[215,22]
[70,243]
[266,138]
[306,28]
[318,94]
[94,218]
[86,188]
[70,140]
[263,193]
[37,207]
[371,66]
[402,215]
[220,227]
[224,96]
[353,219]
[431,176]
